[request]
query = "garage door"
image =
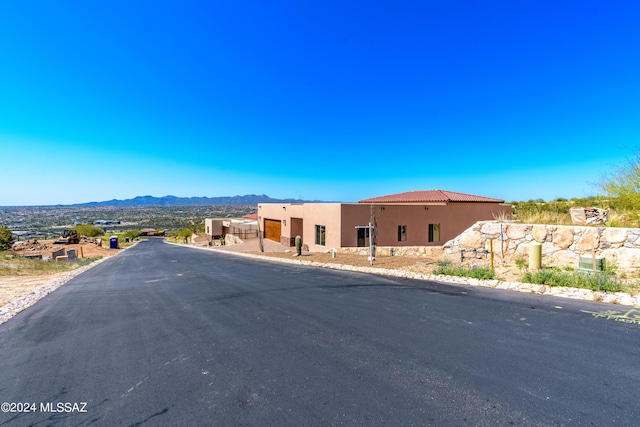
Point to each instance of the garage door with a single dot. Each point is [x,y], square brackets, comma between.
[272,229]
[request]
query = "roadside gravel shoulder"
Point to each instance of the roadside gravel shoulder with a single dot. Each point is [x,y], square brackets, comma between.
[16,305]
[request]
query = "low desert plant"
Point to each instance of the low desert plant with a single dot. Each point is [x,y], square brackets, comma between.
[448,269]
[89,230]
[552,276]
[11,265]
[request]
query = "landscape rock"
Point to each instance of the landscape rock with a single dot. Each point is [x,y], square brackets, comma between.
[563,238]
[539,233]
[516,231]
[615,235]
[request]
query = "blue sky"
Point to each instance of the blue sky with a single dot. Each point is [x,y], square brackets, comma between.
[332,100]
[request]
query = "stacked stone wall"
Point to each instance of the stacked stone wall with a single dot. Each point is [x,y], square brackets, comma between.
[562,245]
[415,251]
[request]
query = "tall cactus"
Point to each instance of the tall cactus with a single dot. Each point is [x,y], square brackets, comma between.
[298,245]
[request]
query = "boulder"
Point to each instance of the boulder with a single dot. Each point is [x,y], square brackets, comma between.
[539,233]
[563,238]
[588,240]
[471,239]
[615,235]
[516,231]
[492,229]
[625,258]
[564,258]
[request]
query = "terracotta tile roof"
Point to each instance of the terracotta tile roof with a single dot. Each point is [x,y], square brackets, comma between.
[251,216]
[426,196]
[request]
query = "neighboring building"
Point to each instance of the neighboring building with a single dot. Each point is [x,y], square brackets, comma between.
[243,228]
[213,227]
[148,232]
[416,218]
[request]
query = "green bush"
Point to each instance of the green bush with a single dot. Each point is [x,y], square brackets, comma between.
[446,268]
[185,234]
[6,238]
[555,277]
[132,234]
[89,230]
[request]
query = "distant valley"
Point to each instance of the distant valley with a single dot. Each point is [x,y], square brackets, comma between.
[250,199]
[168,213]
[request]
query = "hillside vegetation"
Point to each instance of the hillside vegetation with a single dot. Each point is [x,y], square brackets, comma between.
[557,211]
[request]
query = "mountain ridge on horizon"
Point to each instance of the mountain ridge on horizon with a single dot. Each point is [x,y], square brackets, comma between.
[248,199]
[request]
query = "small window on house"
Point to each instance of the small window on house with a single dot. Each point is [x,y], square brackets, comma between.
[402,233]
[208,230]
[434,232]
[320,235]
[363,237]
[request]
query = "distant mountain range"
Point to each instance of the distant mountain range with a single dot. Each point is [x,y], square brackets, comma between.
[250,199]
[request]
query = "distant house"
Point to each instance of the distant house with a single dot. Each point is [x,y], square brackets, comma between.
[243,228]
[415,218]
[148,232]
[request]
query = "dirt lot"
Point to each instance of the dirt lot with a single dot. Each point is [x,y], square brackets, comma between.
[413,264]
[14,284]
[46,247]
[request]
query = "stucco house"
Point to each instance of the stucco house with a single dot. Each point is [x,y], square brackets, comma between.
[415,218]
[243,228]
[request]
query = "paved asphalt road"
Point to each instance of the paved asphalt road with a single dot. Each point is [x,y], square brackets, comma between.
[166,335]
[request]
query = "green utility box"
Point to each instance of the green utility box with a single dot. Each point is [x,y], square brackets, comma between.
[586,264]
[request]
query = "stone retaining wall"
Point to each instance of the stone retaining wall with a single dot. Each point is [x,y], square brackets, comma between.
[416,251]
[562,245]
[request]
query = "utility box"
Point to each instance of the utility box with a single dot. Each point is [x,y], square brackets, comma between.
[586,264]
[113,242]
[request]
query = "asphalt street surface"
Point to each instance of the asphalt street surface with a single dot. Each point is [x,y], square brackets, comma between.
[174,336]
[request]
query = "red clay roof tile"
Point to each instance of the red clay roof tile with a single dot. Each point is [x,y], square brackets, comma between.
[425,196]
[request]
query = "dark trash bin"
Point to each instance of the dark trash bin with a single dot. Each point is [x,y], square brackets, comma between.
[113,242]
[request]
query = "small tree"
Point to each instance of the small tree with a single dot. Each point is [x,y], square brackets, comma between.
[185,234]
[132,234]
[6,238]
[89,230]
[624,184]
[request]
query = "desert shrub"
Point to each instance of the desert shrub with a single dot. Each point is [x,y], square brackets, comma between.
[555,277]
[89,230]
[448,269]
[184,234]
[6,238]
[132,234]
[11,265]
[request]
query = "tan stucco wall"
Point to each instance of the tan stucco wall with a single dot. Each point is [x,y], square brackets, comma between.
[213,226]
[453,218]
[312,214]
[341,219]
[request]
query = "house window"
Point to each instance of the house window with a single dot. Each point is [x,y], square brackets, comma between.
[434,232]
[208,230]
[402,233]
[363,237]
[320,235]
